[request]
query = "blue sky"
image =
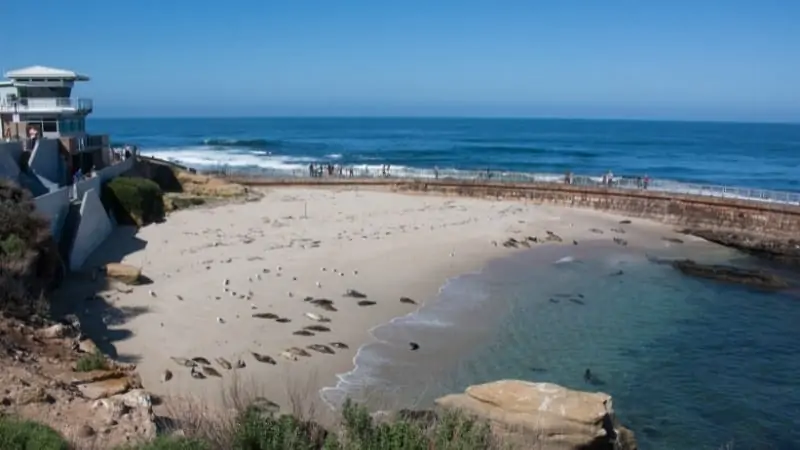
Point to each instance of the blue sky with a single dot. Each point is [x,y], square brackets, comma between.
[711,59]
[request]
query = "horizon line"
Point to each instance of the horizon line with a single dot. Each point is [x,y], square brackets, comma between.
[447,117]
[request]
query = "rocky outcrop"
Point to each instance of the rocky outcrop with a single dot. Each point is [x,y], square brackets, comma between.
[731,274]
[547,415]
[96,409]
[124,273]
[786,251]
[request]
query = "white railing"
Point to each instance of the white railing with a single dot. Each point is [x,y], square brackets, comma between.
[46,104]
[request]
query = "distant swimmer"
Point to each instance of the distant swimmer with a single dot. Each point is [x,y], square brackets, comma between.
[587,376]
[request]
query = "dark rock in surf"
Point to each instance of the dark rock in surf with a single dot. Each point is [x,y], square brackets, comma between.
[731,274]
[782,250]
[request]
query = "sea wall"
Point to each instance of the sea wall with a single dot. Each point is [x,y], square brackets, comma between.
[53,207]
[684,210]
[94,228]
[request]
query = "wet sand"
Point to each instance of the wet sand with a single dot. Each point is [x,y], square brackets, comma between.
[292,244]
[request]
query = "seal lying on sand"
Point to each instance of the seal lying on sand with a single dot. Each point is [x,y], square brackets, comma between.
[212,372]
[224,363]
[266,316]
[317,317]
[183,361]
[201,360]
[354,294]
[407,300]
[339,345]
[366,303]
[318,328]
[303,333]
[263,358]
[297,351]
[414,346]
[321,348]
[283,320]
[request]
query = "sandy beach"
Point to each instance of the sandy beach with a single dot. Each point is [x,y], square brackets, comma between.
[292,244]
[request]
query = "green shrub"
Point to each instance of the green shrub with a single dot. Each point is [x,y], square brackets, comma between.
[255,431]
[134,201]
[29,259]
[91,361]
[16,434]
[170,443]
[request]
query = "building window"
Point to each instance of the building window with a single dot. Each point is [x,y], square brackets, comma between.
[49,126]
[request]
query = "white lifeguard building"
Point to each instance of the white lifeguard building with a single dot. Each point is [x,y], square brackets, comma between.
[40,98]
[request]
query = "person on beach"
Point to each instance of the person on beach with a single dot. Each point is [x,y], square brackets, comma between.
[311,170]
[436,172]
[645,181]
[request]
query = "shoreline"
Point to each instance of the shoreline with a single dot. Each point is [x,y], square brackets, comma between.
[401,245]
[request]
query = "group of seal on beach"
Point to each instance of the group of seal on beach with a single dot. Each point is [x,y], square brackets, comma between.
[201,368]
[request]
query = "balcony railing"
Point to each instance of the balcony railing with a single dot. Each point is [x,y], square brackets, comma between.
[46,105]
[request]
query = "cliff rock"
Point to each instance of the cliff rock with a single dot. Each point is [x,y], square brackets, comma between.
[552,416]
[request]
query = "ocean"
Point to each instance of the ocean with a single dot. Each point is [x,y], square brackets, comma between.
[691,364]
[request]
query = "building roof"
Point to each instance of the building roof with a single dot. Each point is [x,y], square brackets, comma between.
[45,72]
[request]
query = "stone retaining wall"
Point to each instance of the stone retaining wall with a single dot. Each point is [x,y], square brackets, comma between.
[678,209]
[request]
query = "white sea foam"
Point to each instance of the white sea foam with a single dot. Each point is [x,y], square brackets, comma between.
[565,260]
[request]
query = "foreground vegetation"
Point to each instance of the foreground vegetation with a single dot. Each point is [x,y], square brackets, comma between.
[254,429]
[29,260]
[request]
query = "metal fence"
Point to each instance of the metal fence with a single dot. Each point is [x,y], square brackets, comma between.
[743,193]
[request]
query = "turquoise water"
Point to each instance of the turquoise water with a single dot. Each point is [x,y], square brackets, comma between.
[690,364]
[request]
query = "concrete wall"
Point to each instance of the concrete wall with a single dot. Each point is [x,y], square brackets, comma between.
[80,188]
[47,164]
[9,167]
[683,210]
[54,206]
[94,228]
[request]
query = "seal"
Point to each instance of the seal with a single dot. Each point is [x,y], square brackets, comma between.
[303,333]
[183,361]
[288,355]
[317,317]
[263,358]
[196,374]
[212,372]
[366,303]
[414,346]
[318,328]
[224,363]
[297,351]
[321,348]
[339,345]
[283,320]
[354,294]
[407,300]
[266,316]
[201,360]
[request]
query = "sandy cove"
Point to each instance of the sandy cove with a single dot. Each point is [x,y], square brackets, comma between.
[383,244]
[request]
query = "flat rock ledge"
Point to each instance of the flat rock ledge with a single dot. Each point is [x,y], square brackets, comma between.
[783,250]
[544,415]
[731,274]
